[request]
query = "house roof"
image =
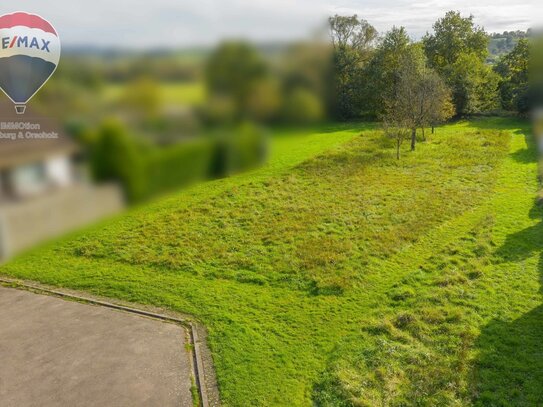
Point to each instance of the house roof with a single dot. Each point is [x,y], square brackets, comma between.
[28,138]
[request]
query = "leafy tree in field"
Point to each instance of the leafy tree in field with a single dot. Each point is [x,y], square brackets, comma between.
[418,99]
[305,70]
[454,36]
[474,85]
[234,74]
[457,50]
[396,128]
[381,74]
[353,41]
[513,70]
[440,106]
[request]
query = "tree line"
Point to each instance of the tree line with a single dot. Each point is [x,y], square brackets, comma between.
[412,85]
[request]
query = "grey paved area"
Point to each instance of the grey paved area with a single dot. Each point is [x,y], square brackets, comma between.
[61,353]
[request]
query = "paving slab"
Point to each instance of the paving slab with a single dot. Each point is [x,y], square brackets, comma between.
[55,352]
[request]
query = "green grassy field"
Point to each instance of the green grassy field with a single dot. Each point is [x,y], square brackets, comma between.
[185,94]
[341,276]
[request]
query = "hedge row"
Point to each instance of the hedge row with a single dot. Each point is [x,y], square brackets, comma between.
[147,170]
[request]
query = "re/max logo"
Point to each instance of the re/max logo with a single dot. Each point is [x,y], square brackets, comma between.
[25,42]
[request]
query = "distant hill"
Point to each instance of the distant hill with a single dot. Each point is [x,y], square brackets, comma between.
[503,43]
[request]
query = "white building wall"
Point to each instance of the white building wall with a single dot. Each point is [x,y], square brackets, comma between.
[59,170]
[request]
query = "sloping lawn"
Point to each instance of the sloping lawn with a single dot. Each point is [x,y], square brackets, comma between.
[339,274]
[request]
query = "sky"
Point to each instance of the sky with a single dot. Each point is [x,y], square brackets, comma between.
[144,24]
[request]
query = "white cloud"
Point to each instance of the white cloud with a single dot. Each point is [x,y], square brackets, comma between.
[171,23]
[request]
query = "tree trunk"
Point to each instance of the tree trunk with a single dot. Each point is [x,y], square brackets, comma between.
[398,144]
[433,129]
[423,134]
[413,138]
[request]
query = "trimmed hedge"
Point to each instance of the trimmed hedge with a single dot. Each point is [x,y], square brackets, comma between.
[147,170]
[178,165]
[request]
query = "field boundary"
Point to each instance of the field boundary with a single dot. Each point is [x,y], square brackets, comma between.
[204,373]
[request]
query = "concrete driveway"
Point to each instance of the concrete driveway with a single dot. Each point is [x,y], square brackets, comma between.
[55,352]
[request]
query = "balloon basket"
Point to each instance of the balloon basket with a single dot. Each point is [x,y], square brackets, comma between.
[20,109]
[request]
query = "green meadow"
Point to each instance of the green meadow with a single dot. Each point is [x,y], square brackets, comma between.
[336,275]
[182,94]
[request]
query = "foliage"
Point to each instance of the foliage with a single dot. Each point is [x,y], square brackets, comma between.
[176,166]
[238,149]
[145,170]
[382,72]
[307,66]
[457,50]
[502,44]
[142,97]
[474,85]
[418,98]
[232,72]
[513,70]
[302,106]
[453,37]
[264,102]
[352,40]
[116,156]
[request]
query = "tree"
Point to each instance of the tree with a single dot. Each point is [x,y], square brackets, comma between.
[352,41]
[440,106]
[305,70]
[234,73]
[419,98]
[381,74]
[513,70]
[401,114]
[474,85]
[395,127]
[433,100]
[457,50]
[302,106]
[454,36]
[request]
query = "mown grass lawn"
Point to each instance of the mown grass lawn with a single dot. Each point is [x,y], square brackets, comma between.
[339,275]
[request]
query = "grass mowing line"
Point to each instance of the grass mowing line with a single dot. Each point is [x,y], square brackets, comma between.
[436,318]
[269,343]
[330,215]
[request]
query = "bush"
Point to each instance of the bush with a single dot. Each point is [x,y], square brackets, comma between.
[116,156]
[240,149]
[177,165]
[145,171]
[303,106]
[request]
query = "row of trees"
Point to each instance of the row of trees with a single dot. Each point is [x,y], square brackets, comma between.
[415,85]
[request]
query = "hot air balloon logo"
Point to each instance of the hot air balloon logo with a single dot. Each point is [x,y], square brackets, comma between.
[29,55]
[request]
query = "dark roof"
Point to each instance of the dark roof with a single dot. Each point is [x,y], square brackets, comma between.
[29,149]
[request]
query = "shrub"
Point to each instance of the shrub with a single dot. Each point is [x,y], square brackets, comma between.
[116,156]
[177,165]
[239,149]
[145,171]
[303,106]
